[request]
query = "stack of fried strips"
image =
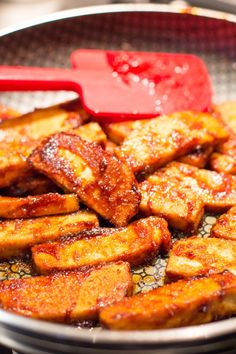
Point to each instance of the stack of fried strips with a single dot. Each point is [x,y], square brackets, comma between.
[87,202]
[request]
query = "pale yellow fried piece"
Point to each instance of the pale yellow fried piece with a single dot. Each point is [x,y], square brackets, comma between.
[32,206]
[198,157]
[158,141]
[136,243]
[177,203]
[17,236]
[179,304]
[216,190]
[18,137]
[7,113]
[201,256]
[101,181]
[225,226]
[91,132]
[32,184]
[67,297]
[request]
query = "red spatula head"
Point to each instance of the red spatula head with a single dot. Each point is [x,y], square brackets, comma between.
[134,85]
[116,86]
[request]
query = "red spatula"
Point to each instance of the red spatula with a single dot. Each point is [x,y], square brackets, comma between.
[118,85]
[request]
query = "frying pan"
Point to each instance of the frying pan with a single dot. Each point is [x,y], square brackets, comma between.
[48,42]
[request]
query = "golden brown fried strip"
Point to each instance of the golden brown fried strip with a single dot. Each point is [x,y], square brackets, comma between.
[177,304]
[225,226]
[136,244]
[224,159]
[118,132]
[216,190]
[158,141]
[227,112]
[91,132]
[32,206]
[166,197]
[46,121]
[198,256]
[18,137]
[17,236]
[67,297]
[32,184]
[223,163]
[101,181]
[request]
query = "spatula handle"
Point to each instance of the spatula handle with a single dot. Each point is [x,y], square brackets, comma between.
[27,78]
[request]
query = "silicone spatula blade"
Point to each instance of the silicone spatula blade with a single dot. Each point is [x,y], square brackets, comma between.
[118,85]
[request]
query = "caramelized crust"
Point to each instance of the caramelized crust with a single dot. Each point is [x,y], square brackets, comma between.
[32,206]
[67,297]
[101,181]
[198,256]
[157,141]
[32,184]
[177,203]
[179,304]
[137,243]
[216,190]
[225,226]
[18,137]
[17,236]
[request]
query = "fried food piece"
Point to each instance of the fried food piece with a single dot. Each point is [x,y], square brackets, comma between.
[118,132]
[32,184]
[227,112]
[223,163]
[179,304]
[18,137]
[67,297]
[224,159]
[225,226]
[216,190]
[109,146]
[101,181]
[201,256]
[17,236]
[166,197]
[7,113]
[32,206]
[46,121]
[136,243]
[198,157]
[158,141]
[91,132]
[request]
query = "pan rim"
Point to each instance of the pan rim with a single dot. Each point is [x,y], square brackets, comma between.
[114,8]
[169,337]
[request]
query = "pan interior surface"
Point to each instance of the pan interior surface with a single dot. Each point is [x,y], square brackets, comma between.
[50,45]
